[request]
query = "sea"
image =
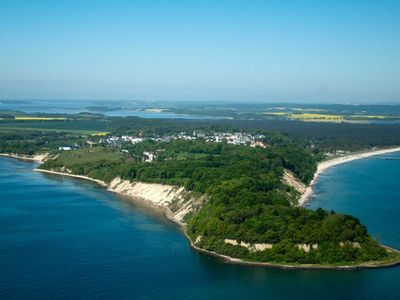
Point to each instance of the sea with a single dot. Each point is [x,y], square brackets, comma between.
[65,238]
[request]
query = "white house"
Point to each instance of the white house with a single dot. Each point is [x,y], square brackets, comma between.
[65,148]
[148,156]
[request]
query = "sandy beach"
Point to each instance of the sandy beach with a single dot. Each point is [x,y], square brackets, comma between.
[102,183]
[39,158]
[325,165]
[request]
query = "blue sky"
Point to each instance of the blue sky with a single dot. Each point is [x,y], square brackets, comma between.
[320,51]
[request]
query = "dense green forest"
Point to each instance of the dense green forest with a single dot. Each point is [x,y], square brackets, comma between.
[284,227]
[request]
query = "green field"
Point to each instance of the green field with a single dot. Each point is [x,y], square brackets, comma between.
[86,127]
[88,155]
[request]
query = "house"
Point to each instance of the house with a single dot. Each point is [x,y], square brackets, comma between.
[148,156]
[64,148]
[258,144]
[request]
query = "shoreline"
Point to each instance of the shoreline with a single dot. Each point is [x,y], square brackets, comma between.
[99,182]
[359,266]
[39,158]
[325,165]
[167,212]
[227,259]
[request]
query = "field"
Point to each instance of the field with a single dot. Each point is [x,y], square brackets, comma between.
[101,133]
[84,127]
[193,156]
[317,117]
[87,155]
[309,117]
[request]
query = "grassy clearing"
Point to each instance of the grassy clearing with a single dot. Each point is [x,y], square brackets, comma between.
[87,155]
[310,117]
[317,117]
[192,156]
[101,133]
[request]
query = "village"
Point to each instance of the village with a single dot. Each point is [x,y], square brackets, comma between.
[115,141]
[238,138]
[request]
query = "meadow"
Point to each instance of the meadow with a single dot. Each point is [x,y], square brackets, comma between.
[88,155]
[85,127]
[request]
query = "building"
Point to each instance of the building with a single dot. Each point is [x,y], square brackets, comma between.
[64,148]
[148,156]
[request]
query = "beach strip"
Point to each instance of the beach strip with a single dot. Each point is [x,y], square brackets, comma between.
[39,158]
[326,164]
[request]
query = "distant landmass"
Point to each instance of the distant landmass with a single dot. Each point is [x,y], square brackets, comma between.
[14,102]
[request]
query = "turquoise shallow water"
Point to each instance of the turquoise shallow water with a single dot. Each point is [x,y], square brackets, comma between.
[62,238]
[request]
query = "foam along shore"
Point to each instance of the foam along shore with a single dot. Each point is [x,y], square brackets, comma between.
[325,165]
[39,158]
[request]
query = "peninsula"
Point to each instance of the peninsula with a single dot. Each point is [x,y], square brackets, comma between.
[236,194]
[231,201]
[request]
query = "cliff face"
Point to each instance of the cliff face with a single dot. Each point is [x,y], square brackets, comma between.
[290,179]
[178,202]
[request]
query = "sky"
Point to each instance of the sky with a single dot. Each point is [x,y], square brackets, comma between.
[296,51]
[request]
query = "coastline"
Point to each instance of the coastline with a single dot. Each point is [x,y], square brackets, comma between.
[327,164]
[359,266]
[228,259]
[182,227]
[99,182]
[39,158]
[167,212]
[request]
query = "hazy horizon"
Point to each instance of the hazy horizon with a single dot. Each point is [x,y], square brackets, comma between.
[216,102]
[231,51]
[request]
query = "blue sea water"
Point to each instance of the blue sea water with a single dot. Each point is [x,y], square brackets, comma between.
[62,238]
[368,189]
